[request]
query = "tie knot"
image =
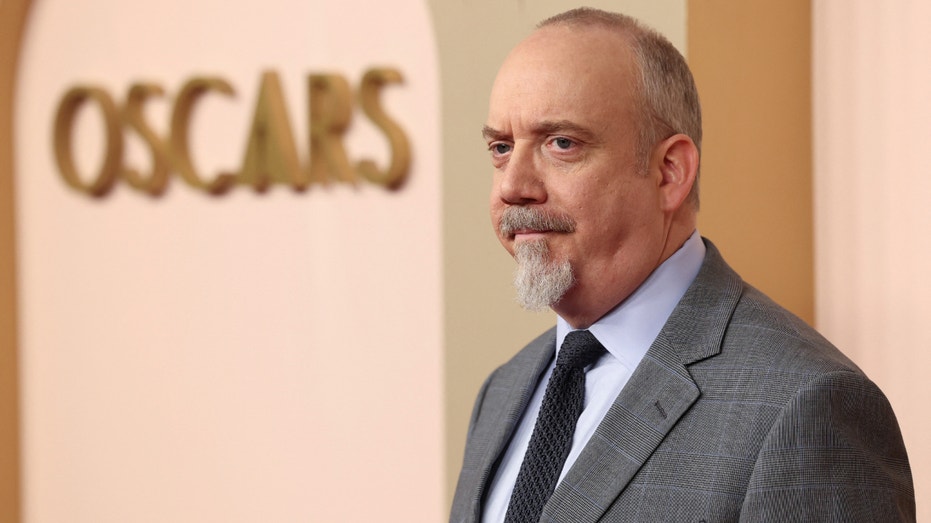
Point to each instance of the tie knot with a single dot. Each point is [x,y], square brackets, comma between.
[579,349]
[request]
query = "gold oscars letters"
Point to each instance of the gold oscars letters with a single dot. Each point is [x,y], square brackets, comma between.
[271,154]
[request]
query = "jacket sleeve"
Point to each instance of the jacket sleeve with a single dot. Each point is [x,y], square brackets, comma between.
[465,502]
[834,454]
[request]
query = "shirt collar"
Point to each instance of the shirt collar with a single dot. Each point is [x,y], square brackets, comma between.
[629,329]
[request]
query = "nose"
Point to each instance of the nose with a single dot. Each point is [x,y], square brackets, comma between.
[520,182]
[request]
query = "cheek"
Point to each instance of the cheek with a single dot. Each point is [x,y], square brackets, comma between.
[495,210]
[608,217]
[494,199]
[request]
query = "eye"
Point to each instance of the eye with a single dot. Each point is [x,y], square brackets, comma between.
[499,148]
[563,143]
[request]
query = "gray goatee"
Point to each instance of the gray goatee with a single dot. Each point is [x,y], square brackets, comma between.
[539,280]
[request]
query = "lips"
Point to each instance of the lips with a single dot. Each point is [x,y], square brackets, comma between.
[528,232]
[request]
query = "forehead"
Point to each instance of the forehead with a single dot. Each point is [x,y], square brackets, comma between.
[565,73]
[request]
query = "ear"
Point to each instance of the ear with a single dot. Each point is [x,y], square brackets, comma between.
[677,160]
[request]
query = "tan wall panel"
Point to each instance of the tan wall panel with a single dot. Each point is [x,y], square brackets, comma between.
[12,18]
[752,61]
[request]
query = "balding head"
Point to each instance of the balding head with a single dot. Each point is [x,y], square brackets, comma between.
[669,98]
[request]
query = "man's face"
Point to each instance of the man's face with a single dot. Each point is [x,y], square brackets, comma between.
[562,133]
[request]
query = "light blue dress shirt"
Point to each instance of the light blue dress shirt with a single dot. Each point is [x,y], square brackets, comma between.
[627,333]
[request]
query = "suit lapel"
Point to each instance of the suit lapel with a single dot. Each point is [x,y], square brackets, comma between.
[659,392]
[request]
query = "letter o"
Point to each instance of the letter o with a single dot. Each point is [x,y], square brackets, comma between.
[64,125]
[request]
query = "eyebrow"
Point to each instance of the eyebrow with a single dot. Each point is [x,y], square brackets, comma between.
[491,134]
[543,128]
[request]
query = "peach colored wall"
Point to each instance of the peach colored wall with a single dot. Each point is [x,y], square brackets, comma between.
[872,124]
[250,357]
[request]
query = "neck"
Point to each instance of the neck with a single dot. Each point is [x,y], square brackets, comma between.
[587,302]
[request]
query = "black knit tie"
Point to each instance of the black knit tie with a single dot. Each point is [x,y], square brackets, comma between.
[552,434]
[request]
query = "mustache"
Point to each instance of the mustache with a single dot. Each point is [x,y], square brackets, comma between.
[514,219]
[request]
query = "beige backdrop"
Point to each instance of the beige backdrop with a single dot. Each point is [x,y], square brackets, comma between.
[226,402]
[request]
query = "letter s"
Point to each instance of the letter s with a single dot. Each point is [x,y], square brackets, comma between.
[396,173]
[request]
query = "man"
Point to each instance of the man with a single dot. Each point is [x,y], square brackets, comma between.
[703,400]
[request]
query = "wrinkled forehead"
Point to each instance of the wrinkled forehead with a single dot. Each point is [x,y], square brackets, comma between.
[563,68]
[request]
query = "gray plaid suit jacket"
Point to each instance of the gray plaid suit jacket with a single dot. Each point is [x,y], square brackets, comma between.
[738,412]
